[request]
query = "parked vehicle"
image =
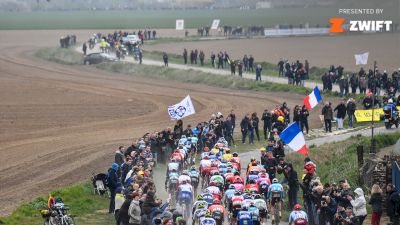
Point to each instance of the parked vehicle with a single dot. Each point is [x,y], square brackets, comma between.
[95,58]
[131,39]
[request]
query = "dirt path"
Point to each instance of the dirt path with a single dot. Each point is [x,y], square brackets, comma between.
[61,123]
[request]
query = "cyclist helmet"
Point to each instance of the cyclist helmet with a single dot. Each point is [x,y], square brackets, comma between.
[252,204]
[252,182]
[185,172]
[257,196]
[237,173]
[231,186]
[216,173]
[206,149]
[238,192]
[201,206]
[193,168]
[206,157]
[223,160]
[208,214]
[252,159]
[244,208]
[212,183]
[274,181]
[297,207]
[216,201]
[173,160]
[247,191]
[200,197]
[390,101]
[184,182]
[228,150]
[235,154]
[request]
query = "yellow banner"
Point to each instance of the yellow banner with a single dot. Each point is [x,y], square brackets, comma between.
[366,114]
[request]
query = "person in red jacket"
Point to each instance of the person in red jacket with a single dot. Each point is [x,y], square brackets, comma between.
[253,187]
[217,211]
[310,166]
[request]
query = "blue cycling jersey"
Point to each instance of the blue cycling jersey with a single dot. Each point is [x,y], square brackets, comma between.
[254,212]
[207,221]
[275,188]
[244,218]
[208,197]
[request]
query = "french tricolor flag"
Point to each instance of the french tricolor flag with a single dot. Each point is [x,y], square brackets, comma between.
[312,99]
[294,138]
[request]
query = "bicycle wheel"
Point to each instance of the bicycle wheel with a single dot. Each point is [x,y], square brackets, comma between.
[69,220]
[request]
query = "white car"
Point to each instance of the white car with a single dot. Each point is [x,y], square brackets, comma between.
[132,39]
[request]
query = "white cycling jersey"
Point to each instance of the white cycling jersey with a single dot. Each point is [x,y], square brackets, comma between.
[184,178]
[173,166]
[213,190]
[205,163]
[186,188]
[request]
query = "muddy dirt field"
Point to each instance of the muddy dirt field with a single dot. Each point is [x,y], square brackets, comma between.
[320,51]
[61,123]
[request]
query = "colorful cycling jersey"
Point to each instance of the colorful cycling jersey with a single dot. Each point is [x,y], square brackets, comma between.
[208,197]
[194,173]
[184,178]
[173,176]
[203,154]
[217,179]
[260,204]
[275,188]
[238,187]
[173,166]
[205,163]
[198,202]
[229,194]
[207,221]
[297,215]
[185,188]
[244,218]
[255,213]
[199,213]
[246,202]
[252,177]
[213,190]
[263,181]
[237,201]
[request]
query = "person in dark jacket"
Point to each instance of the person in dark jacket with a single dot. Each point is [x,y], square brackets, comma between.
[185,56]
[341,114]
[165,58]
[148,205]
[297,115]
[351,108]
[227,126]
[304,118]
[376,202]
[327,210]
[291,178]
[113,183]
[122,217]
[367,102]
[267,118]
[119,156]
[256,121]
[244,127]
[328,116]
[258,72]
[392,204]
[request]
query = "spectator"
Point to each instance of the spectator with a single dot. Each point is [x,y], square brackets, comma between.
[256,121]
[122,217]
[353,83]
[291,179]
[84,48]
[165,58]
[280,67]
[246,63]
[328,116]
[148,205]
[213,59]
[244,127]
[367,102]
[119,156]
[376,202]
[341,114]
[359,205]
[304,118]
[240,68]
[392,204]
[267,118]
[201,56]
[297,115]
[258,72]
[233,67]
[251,64]
[185,55]
[228,130]
[351,108]
[113,183]
[135,211]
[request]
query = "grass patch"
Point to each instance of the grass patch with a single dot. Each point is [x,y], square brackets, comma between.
[60,55]
[336,161]
[80,198]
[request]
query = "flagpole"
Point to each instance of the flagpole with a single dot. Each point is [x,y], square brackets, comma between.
[372,150]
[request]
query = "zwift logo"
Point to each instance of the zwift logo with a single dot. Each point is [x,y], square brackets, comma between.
[360,25]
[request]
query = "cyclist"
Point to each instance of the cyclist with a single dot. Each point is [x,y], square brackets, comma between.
[214,190]
[172,180]
[185,195]
[244,217]
[195,177]
[255,213]
[207,220]
[223,166]
[228,177]
[227,154]
[184,177]
[275,196]
[199,213]
[253,175]
[205,168]
[218,180]
[173,165]
[229,193]
[253,187]
[206,152]
[263,182]
[261,205]
[236,204]
[297,216]
[217,211]
[208,197]
[200,200]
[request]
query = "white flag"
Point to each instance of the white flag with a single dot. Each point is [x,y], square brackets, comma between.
[362,59]
[181,109]
[215,24]
[180,24]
